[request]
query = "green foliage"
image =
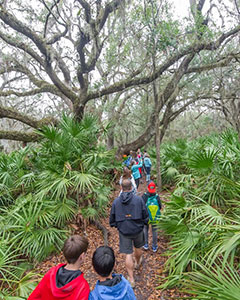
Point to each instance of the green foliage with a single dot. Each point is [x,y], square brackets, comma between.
[41,191]
[213,282]
[202,218]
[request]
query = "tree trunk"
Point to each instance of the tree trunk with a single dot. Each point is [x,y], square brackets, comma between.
[110,139]
[140,142]
[158,157]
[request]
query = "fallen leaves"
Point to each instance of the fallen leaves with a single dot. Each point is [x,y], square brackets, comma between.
[147,277]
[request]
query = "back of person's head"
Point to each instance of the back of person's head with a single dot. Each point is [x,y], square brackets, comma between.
[133,162]
[103,260]
[134,154]
[73,247]
[147,155]
[126,173]
[126,185]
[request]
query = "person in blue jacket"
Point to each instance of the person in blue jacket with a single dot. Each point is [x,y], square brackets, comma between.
[109,286]
[135,171]
[147,165]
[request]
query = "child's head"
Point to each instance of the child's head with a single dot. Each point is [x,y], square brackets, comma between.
[73,247]
[103,261]
[133,162]
[134,154]
[126,173]
[152,187]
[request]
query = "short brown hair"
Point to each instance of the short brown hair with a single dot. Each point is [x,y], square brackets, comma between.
[126,173]
[73,247]
[126,185]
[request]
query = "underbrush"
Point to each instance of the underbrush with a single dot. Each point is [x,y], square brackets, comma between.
[203,217]
[42,188]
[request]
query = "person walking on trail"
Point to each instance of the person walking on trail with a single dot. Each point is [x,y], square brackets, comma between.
[129,215]
[65,281]
[147,165]
[128,175]
[128,160]
[154,205]
[135,171]
[109,286]
[140,160]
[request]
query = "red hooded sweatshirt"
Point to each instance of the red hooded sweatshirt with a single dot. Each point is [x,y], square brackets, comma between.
[77,289]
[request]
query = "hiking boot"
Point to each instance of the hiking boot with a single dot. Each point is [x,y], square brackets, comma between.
[154,248]
[145,247]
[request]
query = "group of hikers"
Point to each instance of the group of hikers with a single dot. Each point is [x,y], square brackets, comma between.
[139,163]
[132,215]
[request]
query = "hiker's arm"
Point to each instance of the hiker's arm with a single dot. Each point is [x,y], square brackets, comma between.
[159,202]
[144,197]
[112,220]
[145,213]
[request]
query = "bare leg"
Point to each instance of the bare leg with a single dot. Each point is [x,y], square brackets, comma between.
[138,254]
[130,266]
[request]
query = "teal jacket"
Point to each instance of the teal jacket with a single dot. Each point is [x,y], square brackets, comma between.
[135,171]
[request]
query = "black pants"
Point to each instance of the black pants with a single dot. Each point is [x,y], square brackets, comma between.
[137,182]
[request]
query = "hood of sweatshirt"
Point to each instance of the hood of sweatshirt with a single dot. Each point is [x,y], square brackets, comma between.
[119,291]
[67,291]
[126,197]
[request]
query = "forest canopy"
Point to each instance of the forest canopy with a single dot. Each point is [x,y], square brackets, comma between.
[123,61]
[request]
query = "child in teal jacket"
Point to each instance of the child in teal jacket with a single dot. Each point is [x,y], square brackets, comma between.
[135,171]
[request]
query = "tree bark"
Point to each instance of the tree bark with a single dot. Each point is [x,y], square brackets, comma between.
[158,156]
[20,136]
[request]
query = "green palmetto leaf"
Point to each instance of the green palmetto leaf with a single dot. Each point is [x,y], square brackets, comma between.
[89,213]
[27,180]
[213,282]
[203,160]
[63,210]
[229,137]
[226,244]
[26,284]
[83,182]
[53,184]
[50,133]
[98,160]
[8,264]
[205,216]
[6,296]
[42,242]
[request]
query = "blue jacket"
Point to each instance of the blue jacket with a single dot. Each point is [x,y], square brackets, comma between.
[120,291]
[147,162]
[129,214]
[135,171]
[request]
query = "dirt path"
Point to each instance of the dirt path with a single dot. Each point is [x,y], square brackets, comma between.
[147,277]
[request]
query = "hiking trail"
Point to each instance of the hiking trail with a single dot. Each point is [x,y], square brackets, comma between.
[147,278]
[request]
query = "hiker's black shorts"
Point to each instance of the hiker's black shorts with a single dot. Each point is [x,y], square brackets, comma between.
[126,242]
